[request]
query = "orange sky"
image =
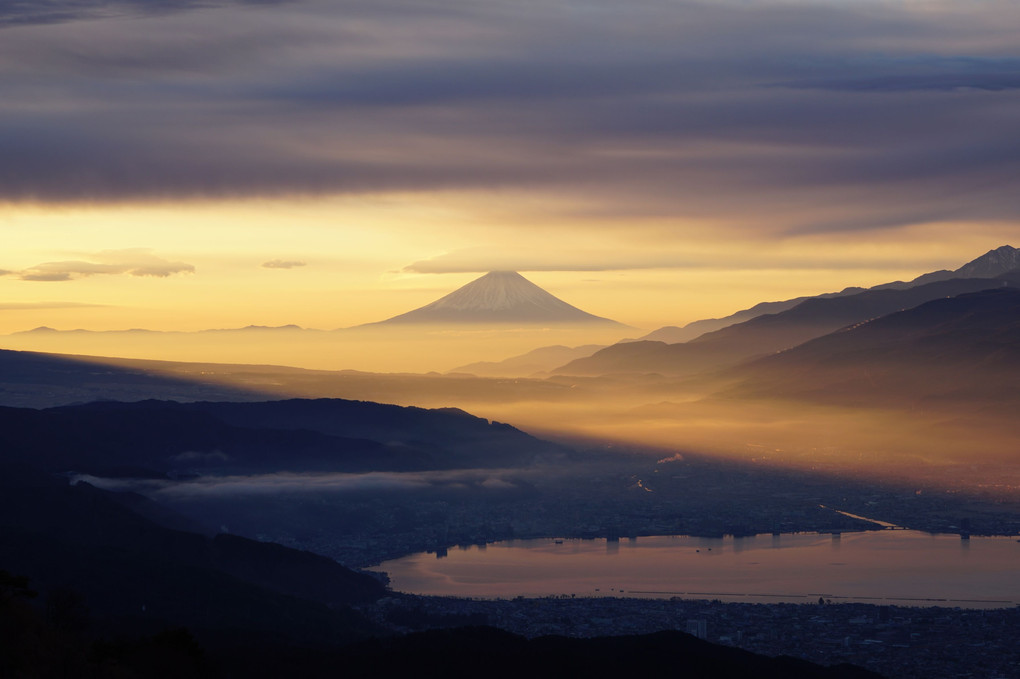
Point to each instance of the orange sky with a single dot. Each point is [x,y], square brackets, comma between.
[329,263]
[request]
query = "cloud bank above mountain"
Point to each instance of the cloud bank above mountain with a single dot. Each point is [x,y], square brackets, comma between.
[815,118]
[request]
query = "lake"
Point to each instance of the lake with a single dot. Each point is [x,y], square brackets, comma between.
[887,566]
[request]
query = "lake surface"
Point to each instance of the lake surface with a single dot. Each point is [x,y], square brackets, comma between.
[888,566]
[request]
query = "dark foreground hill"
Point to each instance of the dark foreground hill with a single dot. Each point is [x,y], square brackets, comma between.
[128,575]
[449,436]
[90,588]
[472,652]
[157,438]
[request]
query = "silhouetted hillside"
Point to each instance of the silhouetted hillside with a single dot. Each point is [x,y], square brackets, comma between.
[156,438]
[538,360]
[33,380]
[672,334]
[484,651]
[992,264]
[135,576]
[449,436]
[959,348]
[769,333]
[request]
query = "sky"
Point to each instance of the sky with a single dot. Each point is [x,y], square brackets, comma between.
[192,164]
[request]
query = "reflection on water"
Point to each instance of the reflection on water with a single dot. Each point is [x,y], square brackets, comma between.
[902,567]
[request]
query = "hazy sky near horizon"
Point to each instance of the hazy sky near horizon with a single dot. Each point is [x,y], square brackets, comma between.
[186,164]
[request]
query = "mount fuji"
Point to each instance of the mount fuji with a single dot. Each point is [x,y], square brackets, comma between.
[499,297]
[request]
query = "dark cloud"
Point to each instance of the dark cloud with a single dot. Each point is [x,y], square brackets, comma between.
[816,117]
[992,82]
[283,264]
[131,262]
[29,12]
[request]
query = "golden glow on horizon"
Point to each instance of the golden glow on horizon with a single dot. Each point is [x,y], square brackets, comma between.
[355,251]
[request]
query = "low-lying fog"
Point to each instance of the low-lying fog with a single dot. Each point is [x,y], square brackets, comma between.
[485,480]
[411,348]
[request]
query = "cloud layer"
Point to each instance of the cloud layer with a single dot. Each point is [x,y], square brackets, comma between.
[132,262]
[811,117]
[283,264]
[30,12]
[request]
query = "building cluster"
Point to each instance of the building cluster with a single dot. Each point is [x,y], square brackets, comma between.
[367,531]
[895,641]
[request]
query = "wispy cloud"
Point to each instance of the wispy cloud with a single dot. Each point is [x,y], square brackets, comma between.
[131,262]
[283,264]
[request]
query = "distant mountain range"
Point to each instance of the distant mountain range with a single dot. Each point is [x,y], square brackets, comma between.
[769,333]
[958,349]
[539,360]
[993,263]
[46,330]
[506,297]
[495,298]
[996,264]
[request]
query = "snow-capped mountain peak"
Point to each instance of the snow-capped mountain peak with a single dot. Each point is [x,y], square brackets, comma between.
[499,297]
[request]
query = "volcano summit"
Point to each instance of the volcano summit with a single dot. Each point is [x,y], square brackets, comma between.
[499,297]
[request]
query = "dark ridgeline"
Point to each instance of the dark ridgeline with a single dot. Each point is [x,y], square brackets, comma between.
[771,333]
[157,438]
[498,297]
[36,379]
[104,572]
[535,361]
[955,349]
[993,264]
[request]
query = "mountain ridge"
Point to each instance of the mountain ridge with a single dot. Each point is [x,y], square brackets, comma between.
[996,262]
[160,438]
[962,346]
[769,333]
